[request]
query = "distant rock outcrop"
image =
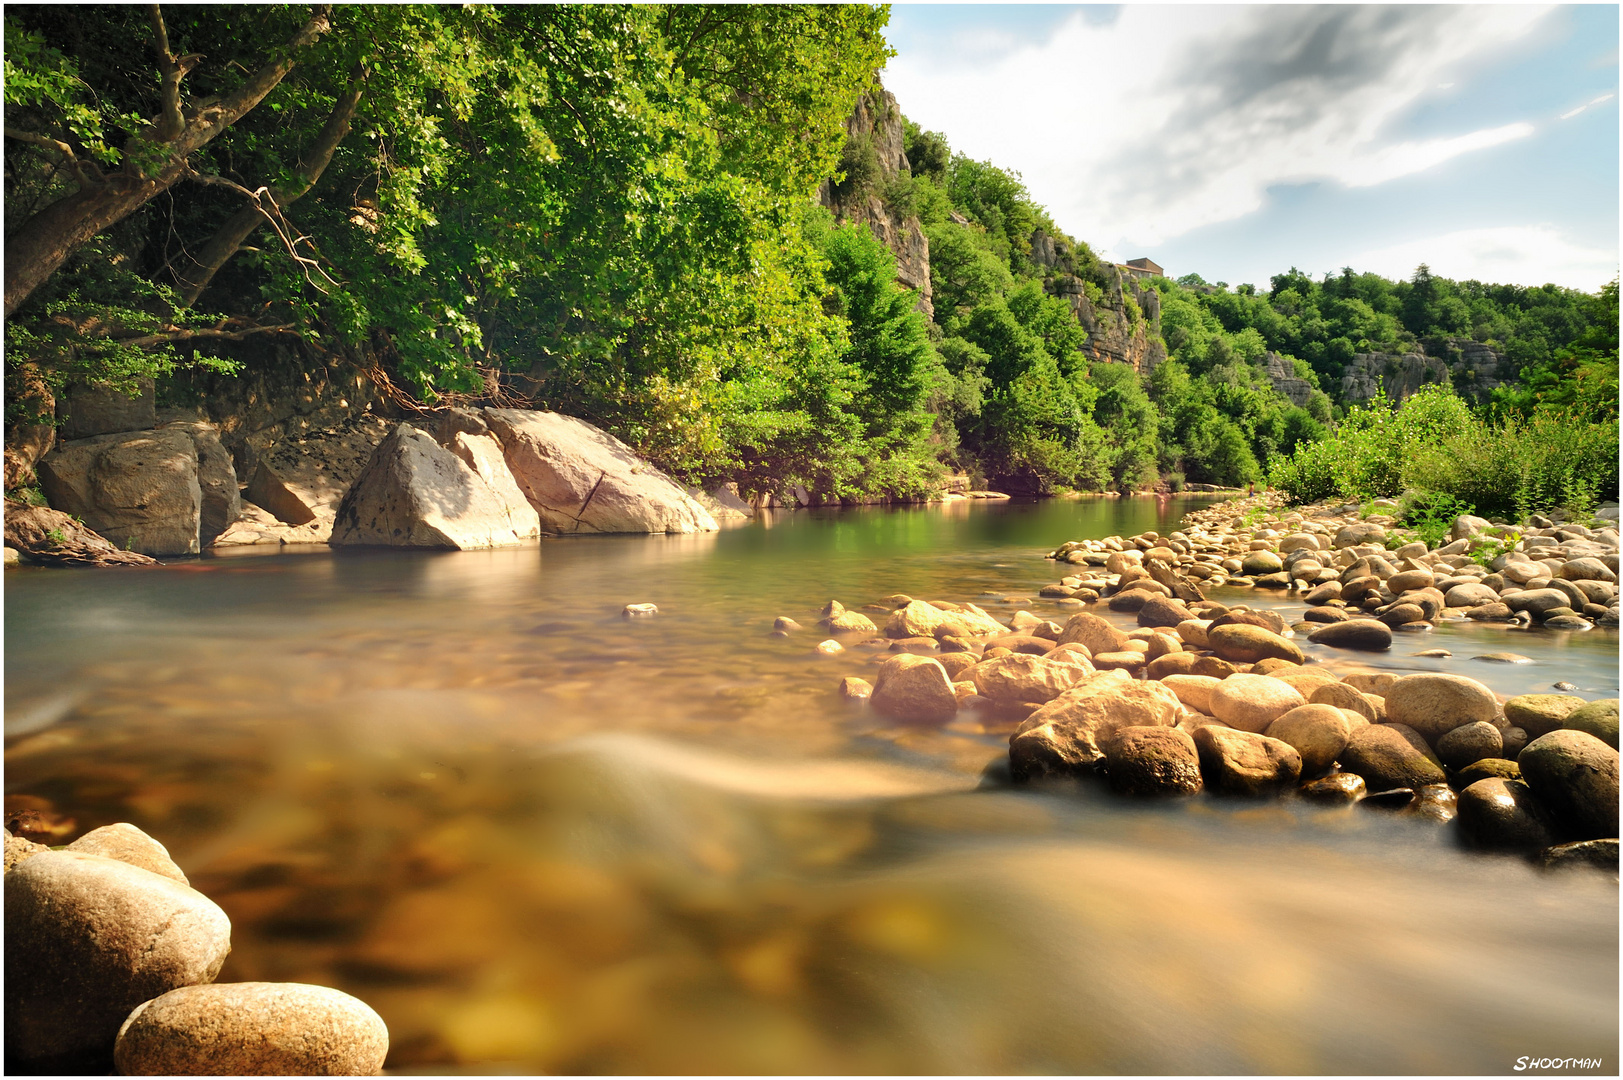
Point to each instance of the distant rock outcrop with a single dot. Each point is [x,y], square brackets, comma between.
[581,479]
[878,118]
[1285,380]
[1119,332]
[1472,368]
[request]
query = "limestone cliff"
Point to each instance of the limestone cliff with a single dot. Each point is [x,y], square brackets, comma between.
[1472,368]
[1283,377]
[877,117]
[1118,331]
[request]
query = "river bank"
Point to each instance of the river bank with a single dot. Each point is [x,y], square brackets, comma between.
[534,834]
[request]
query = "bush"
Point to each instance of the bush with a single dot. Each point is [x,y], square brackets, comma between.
[1367,455]
[1430,514]
[1433,444]
[1524,467]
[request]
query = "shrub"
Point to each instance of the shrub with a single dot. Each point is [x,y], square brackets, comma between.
[1430,514]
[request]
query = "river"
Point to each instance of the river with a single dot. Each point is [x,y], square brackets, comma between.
[537,836]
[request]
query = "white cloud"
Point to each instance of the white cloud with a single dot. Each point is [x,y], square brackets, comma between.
[1171,118]
[1404,159]
[1519,254]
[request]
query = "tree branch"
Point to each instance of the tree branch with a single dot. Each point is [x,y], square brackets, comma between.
[228,238]
[61,148]
[179,334]
[212,121]
[170,123]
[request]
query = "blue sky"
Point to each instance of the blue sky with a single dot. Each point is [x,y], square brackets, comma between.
[1236,142]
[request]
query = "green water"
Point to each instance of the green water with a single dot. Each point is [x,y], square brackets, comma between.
[537,836]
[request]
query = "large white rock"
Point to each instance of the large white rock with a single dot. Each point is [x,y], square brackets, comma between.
[415,493]
[582,479]
[216,479]
[138,489]
[483,455]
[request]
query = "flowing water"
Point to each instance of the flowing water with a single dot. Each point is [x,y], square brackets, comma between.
[540,837]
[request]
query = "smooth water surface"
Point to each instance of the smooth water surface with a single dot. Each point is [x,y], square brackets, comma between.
[537,836]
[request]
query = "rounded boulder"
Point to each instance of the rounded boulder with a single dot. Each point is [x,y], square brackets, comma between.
[1319,733]
[1504,815]
[253,1029]
[1470,743]
[1599,718]
[914,688]
[1540,714]
[128,844]
[1252,702]
[1244,763]
[1572,772]
[1390,756]
[89,938]
[1435,704]
[1153,761]
[1246,644]
[1365,634]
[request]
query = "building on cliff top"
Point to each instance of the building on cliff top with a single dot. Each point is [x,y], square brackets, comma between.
[1141,268]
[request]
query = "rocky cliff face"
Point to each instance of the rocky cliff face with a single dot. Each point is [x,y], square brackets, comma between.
[1472,368]
[1117,332]
[878,117]
[1284,379]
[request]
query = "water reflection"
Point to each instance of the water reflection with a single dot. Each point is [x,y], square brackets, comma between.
[537,836]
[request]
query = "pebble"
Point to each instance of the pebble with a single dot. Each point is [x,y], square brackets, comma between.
[855,689]
[633,611]
[1584,854]
[1503,768]
[253,1029]
[1504,658]
[1437,653]
[830,647]
[785,623]
[1339,788]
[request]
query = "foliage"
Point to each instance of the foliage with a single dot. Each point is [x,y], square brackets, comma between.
[1432,443]
[1430,515]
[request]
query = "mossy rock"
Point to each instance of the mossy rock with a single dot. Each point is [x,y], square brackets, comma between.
[1599,718]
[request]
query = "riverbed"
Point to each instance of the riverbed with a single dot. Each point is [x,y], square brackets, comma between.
[537,836]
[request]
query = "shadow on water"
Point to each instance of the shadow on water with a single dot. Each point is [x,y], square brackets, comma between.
[537,836]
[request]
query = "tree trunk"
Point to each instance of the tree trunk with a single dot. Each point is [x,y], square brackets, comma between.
[38,248]
[45,241]
[229,237]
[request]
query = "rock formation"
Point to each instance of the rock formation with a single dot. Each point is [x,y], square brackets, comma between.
[581,479]
[1472,368]
[877,117]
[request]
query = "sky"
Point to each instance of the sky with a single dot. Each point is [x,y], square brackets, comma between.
[1236,142]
